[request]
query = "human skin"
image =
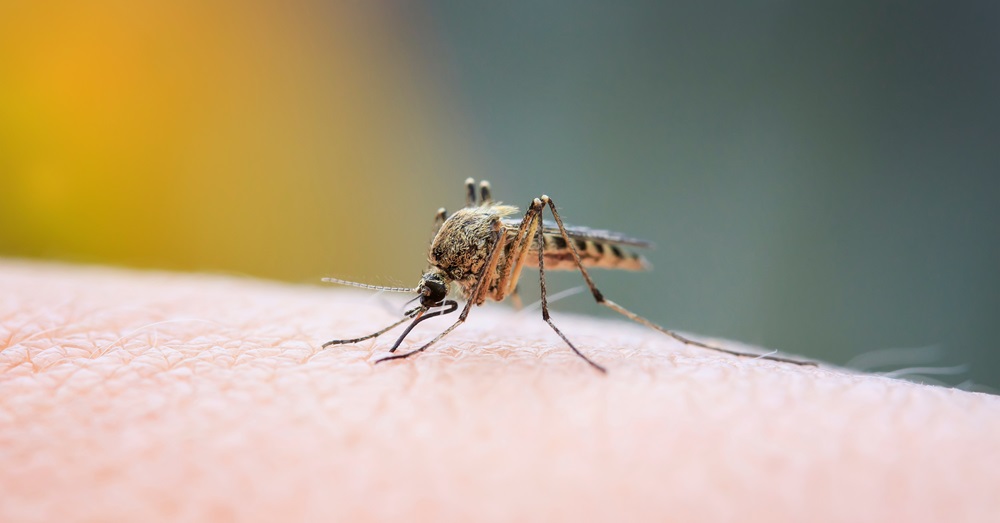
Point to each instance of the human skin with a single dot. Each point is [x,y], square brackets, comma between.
[133,396]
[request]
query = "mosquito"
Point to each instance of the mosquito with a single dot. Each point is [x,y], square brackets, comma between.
[482,249]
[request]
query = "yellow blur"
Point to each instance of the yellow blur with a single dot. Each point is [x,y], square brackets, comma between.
[284,139]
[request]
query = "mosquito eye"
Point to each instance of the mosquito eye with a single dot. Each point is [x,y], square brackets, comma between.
[438,290]
[433,291]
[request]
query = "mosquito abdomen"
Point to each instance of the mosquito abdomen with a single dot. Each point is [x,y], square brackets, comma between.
[593,253]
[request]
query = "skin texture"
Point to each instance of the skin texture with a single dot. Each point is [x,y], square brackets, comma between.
[128,396]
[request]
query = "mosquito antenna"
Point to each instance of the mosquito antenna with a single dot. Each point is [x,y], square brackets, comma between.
[370,287]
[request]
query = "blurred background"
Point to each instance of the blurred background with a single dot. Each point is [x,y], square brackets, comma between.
[819,177]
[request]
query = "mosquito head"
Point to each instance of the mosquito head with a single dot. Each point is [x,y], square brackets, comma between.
[433,287]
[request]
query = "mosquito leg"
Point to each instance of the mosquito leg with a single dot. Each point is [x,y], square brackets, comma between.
[451,304]
[519,251]
[461,319]
[635,317]
[439,218]
[409,315]
[639,319]
[485,196]
[545,305]
[470,192]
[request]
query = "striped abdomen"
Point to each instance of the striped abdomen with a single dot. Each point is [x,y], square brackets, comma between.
[594,252]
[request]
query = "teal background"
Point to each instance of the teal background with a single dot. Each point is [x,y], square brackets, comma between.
[820,177]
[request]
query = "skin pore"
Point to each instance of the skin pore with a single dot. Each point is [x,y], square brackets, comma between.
[128,396]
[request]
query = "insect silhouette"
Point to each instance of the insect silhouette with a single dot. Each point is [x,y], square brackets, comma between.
[482,249]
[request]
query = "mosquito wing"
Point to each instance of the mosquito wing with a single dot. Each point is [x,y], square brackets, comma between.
[597,235]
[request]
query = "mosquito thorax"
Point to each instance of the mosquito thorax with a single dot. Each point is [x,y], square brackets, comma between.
[462,243]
